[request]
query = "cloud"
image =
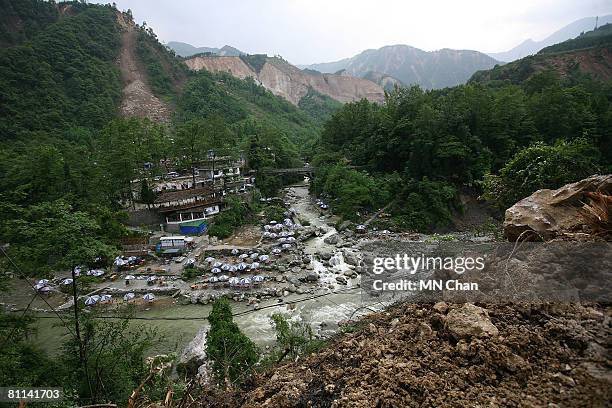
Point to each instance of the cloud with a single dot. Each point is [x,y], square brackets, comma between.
[307,31]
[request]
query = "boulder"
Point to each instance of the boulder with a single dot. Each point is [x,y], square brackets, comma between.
[351,258]
[194,354]
[470,321]
[332,239]
[341,280]
[549,213]
[312,277]
[325,255]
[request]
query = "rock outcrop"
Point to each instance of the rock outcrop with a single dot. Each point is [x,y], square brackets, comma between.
[550,213]
[288,81]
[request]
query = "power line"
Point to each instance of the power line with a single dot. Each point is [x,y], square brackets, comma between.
[18,269]
[246,312]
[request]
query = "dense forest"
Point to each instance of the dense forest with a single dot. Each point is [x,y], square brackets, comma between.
[419,149]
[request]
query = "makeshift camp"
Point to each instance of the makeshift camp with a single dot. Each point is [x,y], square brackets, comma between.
[234,280]
[129,296]
[106,298]
[216,270]
[149,297]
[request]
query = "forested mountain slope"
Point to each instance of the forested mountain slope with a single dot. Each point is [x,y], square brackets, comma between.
[588,54]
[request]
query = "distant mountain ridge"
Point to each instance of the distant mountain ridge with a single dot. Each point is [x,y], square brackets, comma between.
[187,50]
[530,47]
[412,66]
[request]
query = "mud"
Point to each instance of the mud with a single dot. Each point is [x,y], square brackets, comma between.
[544,355]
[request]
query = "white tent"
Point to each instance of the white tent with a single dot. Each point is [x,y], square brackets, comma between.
[209,260]
[263,258]
[233,280]
[242,256]
[223,278]
[213,279]
[105,298]
[149,297]
[258,278]
[67,281]
[216,270]
[235,251]
[130,277]
[254,255]
[92,300]
[245,281]
[128,296]
[43,282]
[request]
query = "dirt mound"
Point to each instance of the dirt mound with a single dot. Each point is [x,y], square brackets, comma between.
[543,355]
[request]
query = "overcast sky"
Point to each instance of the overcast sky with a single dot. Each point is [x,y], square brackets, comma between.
[309,31]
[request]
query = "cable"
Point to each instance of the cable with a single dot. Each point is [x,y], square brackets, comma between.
[8,337]
[36,291]
[206,318]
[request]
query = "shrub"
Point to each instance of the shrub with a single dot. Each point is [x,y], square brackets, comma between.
[541,166]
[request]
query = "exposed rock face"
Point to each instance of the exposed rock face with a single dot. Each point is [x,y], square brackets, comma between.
[194,354]
[470,321]
[550,213]
[285,80]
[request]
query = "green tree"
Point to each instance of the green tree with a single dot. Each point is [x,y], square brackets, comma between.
[232,354]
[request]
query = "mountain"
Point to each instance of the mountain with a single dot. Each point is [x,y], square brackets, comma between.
[187,50]
[530,47]
[588,54]
[288,81]
[430,70]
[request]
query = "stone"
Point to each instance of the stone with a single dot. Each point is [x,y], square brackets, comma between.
[351,257]
[332,239]
[306,260]
[194,354]
[341,280]
[470,321]
[550,213]
[312,277]
[325,255]
[441,307]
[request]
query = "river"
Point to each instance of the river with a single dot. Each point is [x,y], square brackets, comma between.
[179,323]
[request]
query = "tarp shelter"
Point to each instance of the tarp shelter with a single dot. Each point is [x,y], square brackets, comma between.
[193,227]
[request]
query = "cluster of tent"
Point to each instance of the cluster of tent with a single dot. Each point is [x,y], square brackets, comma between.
[92,272]
[236,281]
[106,298]
[122,261]
[42,286]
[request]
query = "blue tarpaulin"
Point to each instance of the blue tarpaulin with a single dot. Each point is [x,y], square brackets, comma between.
[193,227]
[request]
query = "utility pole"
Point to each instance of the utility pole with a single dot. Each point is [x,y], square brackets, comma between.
[77,331]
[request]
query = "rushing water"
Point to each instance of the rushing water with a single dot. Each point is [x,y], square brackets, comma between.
[179,323]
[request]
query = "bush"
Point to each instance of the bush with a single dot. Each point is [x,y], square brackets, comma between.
[424,205]
[541,166]
[236,213]
[232,354]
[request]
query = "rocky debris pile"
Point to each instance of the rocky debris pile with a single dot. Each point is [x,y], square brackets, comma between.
[548,214]
[448,355]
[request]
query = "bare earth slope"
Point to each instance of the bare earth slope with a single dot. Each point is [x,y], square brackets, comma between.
[539,355]
[290,82]
[138,99]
